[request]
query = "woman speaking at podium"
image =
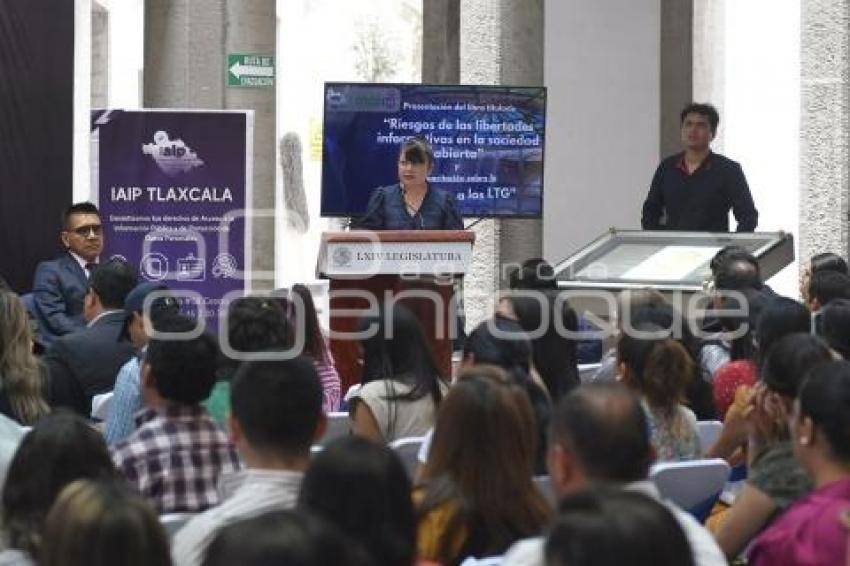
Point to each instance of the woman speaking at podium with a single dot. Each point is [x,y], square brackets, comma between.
[412,204]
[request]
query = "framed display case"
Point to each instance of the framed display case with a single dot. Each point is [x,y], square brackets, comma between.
[667,261]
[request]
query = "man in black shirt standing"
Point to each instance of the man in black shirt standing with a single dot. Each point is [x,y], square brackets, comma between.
[695,189]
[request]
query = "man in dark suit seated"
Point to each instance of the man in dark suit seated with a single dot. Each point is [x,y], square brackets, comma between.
[86,363]
[60,284]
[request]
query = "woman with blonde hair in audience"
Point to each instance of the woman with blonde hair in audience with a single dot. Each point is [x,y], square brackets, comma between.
[401,387]
[478,495]
[812,532]
[659,369]
[315,345]
[99,523]
[23,382]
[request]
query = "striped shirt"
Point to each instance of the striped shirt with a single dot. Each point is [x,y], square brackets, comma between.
[329,378]
[175,457]
[244,495]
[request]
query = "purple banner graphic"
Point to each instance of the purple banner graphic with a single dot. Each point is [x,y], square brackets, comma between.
[167,182]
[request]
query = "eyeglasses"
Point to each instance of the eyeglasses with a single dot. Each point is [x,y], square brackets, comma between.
[88,231]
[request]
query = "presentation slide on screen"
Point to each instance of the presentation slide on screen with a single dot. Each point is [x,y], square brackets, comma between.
[488,144]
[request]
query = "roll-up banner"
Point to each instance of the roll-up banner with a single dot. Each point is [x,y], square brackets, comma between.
[173,187]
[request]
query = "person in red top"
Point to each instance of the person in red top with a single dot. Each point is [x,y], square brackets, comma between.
[695,189]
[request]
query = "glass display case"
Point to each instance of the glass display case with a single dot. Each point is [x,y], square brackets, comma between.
[667,261]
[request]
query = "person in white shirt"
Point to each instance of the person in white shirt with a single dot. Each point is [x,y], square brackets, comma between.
[599,434]
[276,415]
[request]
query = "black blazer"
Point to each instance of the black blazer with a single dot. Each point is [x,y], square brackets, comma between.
[58,291]
[86,363]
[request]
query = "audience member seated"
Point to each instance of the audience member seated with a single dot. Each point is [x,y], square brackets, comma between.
[659,369]
[825,286]
[736,318]
[779,317]
[698,397]
[775,479]
[100,523]
[291,538]
[23,377]
[473,503]
[600,435]
[813,531]
[547,320]
[537,274]
[86,363]
[177,453]
[361,487]
[316,347]
[59,449]
[254,325]
[501,342]
[629,302]
[744,275]
[401,385]
[60,285]
[820,262]
[277,415]
[606,526]
[127,395]
[834,326]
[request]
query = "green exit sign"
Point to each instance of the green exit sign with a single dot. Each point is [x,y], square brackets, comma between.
[250,70]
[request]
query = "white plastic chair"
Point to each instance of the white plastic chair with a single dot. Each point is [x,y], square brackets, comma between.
[173,522]
[408,451]
[544,486]
[100,405]
[692,483]
[489,561]
[339,424]
[708,432]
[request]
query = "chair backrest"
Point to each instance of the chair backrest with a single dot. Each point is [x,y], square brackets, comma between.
[339,424]
[408,450]
[173,522]
[544,486]
[100,405]
[489,561]
[691,483]
[587,371]
[708,432]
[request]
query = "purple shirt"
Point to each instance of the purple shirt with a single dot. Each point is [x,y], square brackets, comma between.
[809,533]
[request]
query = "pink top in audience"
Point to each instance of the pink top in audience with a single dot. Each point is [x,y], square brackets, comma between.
[810,532]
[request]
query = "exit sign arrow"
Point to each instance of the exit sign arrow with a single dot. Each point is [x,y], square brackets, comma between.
[250,70]
[253,70]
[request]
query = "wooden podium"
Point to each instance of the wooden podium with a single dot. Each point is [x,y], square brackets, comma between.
[417,268]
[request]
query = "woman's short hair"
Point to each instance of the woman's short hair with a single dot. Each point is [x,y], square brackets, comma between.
[362,488]
[60,448]
[293,538]
[101,523]
[417,149]
[608,526]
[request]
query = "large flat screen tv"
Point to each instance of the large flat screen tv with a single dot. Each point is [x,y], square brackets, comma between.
[488,144]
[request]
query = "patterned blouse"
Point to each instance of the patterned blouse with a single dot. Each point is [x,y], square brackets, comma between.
[673,438]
